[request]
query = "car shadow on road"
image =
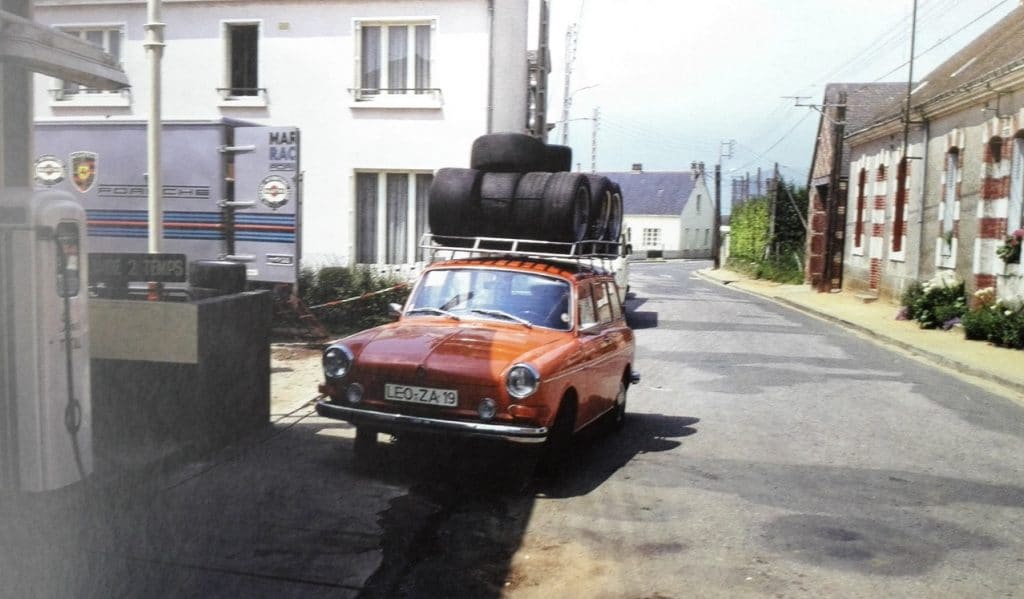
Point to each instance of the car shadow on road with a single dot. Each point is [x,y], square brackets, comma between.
[596,457]
[469,503]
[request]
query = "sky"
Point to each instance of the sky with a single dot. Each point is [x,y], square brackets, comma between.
[673,79]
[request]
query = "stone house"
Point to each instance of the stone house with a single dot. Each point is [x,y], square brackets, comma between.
[938,195]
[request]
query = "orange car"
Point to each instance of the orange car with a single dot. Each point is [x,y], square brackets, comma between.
[516,349]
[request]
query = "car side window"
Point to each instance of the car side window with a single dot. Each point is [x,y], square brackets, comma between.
[602,303]
[585,307]
[613,297]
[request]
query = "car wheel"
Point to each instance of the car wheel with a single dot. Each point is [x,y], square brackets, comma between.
[365,450]
[614,227]
[618,413]
[507,153]
[559,442]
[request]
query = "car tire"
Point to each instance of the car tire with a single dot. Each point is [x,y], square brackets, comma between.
[507,153]
[558,159]
[566,208]
[453,197]
[618,413]
[600,206]
[497,193]
[527,219]
[613,230]
[557,448]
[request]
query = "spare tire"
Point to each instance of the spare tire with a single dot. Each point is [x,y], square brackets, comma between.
[614,229]
[223,276]
[600,206]
[566,207]
[558,159]
[453,196]
[507,153]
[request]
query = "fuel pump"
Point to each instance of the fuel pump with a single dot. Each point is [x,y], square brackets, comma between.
[45,430]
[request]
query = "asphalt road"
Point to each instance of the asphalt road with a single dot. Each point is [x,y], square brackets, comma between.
[772,454]
[767,453]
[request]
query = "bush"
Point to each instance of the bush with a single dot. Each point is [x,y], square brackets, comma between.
[334,283]
[937,303]
[997,321]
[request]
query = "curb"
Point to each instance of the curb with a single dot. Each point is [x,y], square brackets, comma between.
[915,350]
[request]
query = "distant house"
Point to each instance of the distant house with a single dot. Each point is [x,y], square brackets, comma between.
[845,107]
[670,214]
[943,206]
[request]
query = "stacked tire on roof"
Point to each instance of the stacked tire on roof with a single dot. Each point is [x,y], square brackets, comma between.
[519,187]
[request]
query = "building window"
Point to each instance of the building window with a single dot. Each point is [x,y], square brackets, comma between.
[858,229]
[698,203]
[901,203]
[391,216]
[652,238]
[949,198]
[394,59]
[707,238]
[243,59]
[109,39]
[1014,219]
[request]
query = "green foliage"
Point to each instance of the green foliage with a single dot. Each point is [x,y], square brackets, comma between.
[748,230]
[1001,323]
[334,283]
[752,249]
[937,303]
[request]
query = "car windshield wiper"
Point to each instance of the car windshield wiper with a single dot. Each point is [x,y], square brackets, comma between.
[503,314]
[429,310]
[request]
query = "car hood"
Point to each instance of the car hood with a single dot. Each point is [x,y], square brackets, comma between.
[466,353]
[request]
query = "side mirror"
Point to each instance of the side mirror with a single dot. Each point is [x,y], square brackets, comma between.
[394,310]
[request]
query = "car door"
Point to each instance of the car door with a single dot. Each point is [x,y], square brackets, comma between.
[595,320]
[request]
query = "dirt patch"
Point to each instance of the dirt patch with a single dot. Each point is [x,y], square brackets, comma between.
[548,568]
[295,374]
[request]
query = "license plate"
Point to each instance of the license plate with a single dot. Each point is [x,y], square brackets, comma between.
[423,395]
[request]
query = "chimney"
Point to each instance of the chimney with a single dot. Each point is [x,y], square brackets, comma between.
[638,167]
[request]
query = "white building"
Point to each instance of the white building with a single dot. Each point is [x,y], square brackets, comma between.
[667,214]
[383,93]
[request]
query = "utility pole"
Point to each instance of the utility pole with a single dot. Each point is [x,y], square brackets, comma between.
[543,68]
[154,50]
[570,58]
[724,151]
[773,195]
[593,139]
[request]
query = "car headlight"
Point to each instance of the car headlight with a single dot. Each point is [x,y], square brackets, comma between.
[522,381]
[337,361]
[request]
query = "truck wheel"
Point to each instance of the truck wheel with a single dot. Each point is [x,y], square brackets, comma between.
[507,153]
[567,207]
[221,275]
[558,159]
[600,205]
[614,228]
[453,196]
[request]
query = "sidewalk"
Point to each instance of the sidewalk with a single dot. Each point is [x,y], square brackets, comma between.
[877,319]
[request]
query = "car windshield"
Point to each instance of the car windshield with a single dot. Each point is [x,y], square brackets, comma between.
[513,296]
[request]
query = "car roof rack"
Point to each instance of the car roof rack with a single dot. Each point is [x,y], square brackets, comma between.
[452,247]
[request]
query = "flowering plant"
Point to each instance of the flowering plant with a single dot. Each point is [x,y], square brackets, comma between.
[1010,250]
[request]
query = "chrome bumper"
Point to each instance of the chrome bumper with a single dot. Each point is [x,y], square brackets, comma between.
[393,423]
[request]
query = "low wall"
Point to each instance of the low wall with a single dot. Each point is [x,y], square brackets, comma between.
[171,376]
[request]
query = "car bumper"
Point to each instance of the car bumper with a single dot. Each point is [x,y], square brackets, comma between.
[396,423]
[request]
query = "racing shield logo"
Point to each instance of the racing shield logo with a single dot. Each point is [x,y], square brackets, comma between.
[83,170]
